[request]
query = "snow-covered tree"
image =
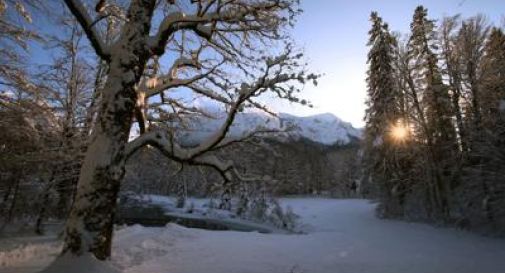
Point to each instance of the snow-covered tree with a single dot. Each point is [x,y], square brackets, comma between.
[484,190]
[451,68]
[227,51]
[493,76]
[17,32]
[450,82]
[67,83]
[436,103]
[383,114]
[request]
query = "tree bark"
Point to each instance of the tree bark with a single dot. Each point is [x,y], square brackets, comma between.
[90,224]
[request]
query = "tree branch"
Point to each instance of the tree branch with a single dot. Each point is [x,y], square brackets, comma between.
[245,92]
[204,22]
[87,24]
[170,81]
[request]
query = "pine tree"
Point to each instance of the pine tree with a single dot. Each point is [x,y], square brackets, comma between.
[484,187]
[382,113]
[451,59]
[471,41]
[436,103]
[448,87]
[493,78]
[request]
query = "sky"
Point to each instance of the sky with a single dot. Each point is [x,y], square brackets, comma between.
[334,33]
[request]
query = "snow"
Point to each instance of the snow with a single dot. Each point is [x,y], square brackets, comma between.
[345,237]
[33,249]
[323,128]
[205,210]
[7,93]
[326,128]
[85,263]
[168,204]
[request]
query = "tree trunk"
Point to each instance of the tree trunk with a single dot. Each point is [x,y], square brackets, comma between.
[89,227]
[90,224]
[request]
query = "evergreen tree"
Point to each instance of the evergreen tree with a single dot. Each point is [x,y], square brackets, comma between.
[451,59]
[493,78]
[436,102]
[448,88]
[471,41]
[382,113]
[484,187]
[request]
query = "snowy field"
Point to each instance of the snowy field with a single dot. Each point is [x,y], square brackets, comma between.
[344,237]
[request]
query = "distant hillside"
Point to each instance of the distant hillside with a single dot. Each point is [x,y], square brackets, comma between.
[316,156]
[326,128]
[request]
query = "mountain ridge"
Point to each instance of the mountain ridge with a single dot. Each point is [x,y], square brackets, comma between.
[324,128]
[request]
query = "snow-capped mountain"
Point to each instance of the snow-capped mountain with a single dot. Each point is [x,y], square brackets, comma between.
[322,128]
[325,128]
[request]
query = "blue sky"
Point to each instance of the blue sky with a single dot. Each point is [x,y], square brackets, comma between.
[334,35]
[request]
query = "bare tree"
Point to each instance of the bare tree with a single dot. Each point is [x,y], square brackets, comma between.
[452,68]
[222,46]
[471,40]
[16,33]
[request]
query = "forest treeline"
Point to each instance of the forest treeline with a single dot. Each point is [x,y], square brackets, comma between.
[47,107]
[434,144]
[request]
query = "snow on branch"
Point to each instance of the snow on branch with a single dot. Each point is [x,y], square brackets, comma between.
[171,81]
[239,15]
[87,23]
[256,133]
[272,78]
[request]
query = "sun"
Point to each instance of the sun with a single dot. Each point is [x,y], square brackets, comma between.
[400,132]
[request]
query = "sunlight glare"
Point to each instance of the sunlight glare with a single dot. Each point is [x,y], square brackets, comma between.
[399,132]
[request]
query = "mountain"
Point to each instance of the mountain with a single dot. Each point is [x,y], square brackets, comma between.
[316,156]
[326,129]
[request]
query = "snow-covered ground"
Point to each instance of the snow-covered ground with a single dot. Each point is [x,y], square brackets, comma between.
[201,212]
[345,236]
